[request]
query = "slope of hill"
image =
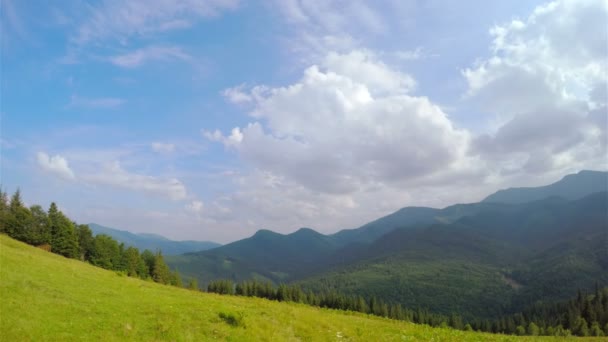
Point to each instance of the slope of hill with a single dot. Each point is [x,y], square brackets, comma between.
[153,242]
[570,187]
[48,297]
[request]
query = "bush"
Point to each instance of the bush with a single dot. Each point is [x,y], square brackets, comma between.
[235,320]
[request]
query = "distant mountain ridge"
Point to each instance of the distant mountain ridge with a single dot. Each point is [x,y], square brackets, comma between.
[571,187]
[153,241]
[425,251]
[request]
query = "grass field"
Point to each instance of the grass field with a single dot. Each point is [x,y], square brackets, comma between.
[47,297]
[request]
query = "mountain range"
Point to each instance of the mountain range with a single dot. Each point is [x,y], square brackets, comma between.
[516,247]
[153,242]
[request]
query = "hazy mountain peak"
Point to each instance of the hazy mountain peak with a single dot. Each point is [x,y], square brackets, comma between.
[570,187]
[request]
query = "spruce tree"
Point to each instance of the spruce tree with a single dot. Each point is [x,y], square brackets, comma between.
[160,270]
[63,236]
[39,230]
[85,241]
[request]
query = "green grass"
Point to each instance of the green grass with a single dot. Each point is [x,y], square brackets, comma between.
[47,297]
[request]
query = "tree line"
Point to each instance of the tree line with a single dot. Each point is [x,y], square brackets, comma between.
[587,315]
[53,231]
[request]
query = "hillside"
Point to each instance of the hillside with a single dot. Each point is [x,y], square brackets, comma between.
[48,297]
[153,242]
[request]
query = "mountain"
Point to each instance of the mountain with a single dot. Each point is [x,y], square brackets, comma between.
[479,259]
[499,260]
[571,187]
[265,256]
[153,241]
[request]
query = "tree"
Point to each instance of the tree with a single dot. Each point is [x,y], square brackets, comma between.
[39,229]
[19,218]
[520,331]
[148,257]
[595,329]
[3,211]
[176,279]
[160,270]
[85,241]
[106,253]
[63,235]
[132,261]
[533,329]
[580,327]
[193,284]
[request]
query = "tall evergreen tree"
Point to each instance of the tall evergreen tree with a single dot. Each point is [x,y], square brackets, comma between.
[39,231]
[19,218]
[63,235]
[85,241]
[160,270]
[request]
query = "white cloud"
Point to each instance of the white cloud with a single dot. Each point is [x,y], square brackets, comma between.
[114,175]
[120,20]
[160,147]
[100,102]
[237,94]
[363,67]
[543,83]
[151,53]
[56,164]
[195,206]
[339,131]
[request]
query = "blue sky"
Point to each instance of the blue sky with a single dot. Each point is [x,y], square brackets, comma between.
[212,119]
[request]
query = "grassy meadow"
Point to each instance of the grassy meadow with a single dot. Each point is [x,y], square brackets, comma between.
[46,297]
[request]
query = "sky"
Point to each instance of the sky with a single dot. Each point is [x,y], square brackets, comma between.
[212,119]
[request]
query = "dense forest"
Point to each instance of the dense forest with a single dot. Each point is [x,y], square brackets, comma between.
[53,231]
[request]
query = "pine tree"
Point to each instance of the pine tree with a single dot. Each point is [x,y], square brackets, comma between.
[131,261]
[19,218]
[39,230]
[160,271]
[63,236]
[148,258]
[85,241]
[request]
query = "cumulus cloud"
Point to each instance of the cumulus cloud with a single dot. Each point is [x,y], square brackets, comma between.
[545,83]
[114,175]
[56,164]
[151,53]
[337,130]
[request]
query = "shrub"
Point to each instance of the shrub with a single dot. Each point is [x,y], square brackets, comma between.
[235,320]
